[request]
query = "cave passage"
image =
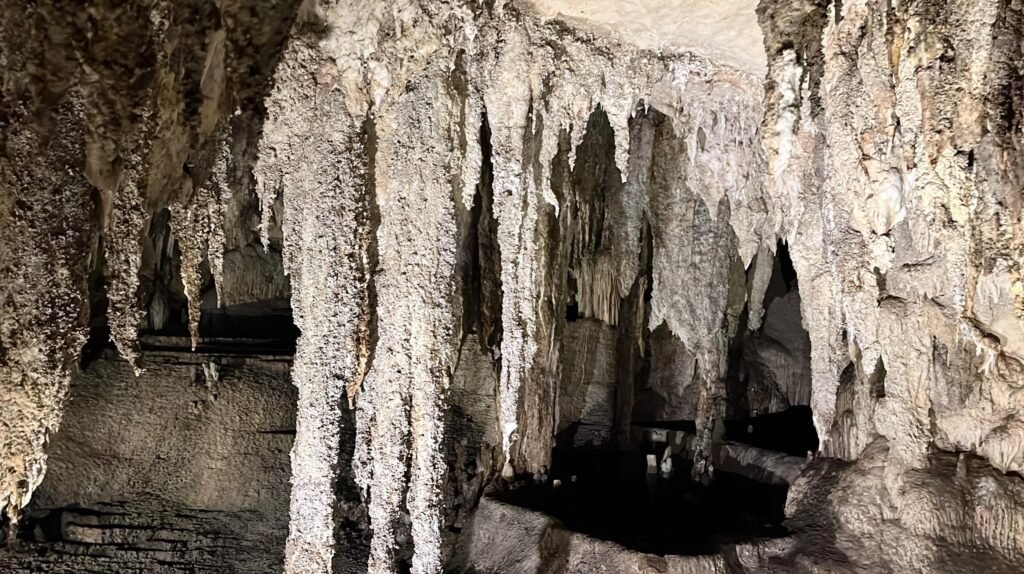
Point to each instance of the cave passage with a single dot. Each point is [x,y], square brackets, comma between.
[768,383]
[790,431]
[612,496]
[639,493]
[644,499]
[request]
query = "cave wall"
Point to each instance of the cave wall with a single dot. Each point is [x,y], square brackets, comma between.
[184,466]
[892,154]
[200,431]
[883,124]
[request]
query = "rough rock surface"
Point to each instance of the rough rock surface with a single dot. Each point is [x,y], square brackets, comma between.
[211,493]
[533,542]
[726,30]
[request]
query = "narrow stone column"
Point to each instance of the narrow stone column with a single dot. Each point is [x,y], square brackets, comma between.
[312,152]
[405,393]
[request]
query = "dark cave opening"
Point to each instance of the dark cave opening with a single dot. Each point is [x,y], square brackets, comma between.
[572,311]
[596,185]
[482,299]
[98,339]
[595,181]
[160,280]
[790,431]
[768,383]
[616,496]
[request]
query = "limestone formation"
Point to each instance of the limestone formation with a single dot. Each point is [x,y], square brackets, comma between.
[521,260]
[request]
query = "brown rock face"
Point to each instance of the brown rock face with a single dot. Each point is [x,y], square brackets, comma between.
[515,295]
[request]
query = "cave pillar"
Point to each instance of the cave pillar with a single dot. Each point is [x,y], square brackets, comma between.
[313,154]
[401,409]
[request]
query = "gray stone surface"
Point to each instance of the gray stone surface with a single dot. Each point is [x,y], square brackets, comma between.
[182,469]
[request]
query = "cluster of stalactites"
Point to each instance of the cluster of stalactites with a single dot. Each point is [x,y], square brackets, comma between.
[157,140]
[314,178]
[903,262]
[426,156]
[59,142]
[522,179]
[722,160]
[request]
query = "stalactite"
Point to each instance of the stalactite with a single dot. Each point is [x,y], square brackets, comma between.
[508,100]
[472,156]
[626,218]
[605,238]
[760,275]
[525,124]
[936,134]
[695,304]
[792,118]
[538,404]
[123,256]
[219,190]
[597,289]
[198,219]
[405,391]
[44,201]
[124,127]
[717,113]
[198,227]
[704,198]
[190,225]
[867,97]
[314,150]
[691,306]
